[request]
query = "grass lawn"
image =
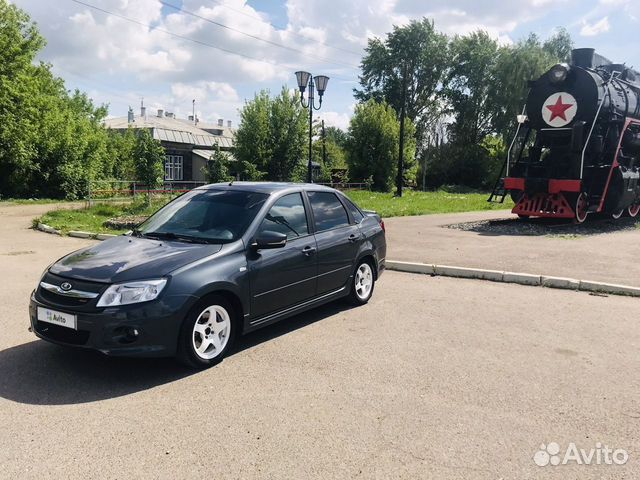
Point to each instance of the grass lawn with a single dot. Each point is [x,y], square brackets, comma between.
[412,203]
[92,219]
[422,203]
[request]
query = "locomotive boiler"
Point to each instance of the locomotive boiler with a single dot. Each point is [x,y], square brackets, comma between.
[577,146]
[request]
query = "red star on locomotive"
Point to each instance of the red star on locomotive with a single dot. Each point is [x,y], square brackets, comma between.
[577,146]
[558,109]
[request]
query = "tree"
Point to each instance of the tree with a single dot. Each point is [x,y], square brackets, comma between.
[468,82]
[514,66]
[270,139]
[329,151]
[420,49]
[217,169]
[149,159]
[52,142]
[372,149]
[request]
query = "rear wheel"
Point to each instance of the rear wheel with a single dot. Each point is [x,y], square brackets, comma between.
[617,214]
[362,284]
[207,333]
[581,207]
[633,210]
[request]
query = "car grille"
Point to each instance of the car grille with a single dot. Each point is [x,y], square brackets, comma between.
[73,303]
[62,334]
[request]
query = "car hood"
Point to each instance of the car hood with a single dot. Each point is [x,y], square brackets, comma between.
[125,258]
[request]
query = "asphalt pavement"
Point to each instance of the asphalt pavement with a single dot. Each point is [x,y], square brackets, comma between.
[602,250]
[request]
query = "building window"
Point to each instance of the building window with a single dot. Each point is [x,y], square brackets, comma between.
[173,167]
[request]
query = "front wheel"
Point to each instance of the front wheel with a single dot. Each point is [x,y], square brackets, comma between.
[362,284]
[207,333]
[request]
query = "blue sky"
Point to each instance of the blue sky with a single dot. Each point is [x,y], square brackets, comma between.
[118,59]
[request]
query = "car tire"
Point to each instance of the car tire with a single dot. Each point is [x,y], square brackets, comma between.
[362,283]
[207,333]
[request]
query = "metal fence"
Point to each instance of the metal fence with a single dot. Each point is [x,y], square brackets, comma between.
[125,190]
[348,186]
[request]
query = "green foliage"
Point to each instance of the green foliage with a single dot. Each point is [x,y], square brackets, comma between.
[330,152]
[374,135]
[52,142]
[93,219]
[149,159]
[423,52]
[514,66]
[422,203]
[470,79]
[468,83]
[217,169]
[270,139]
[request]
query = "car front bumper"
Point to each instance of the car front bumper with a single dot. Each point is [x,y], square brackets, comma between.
[147,329]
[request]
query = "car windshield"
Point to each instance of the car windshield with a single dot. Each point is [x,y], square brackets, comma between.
[204,216]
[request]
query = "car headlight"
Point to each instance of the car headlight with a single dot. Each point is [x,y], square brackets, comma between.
[131,292]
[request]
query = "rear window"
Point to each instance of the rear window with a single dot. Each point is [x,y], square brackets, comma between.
[328,211]
[355,211]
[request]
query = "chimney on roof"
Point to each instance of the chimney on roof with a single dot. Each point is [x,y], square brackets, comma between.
[221,122]
[130,118]
[191,118]
[143,109]
[229,123]
[169,114]
[160,112]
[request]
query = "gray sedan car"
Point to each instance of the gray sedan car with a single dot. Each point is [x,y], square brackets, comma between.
[219,261]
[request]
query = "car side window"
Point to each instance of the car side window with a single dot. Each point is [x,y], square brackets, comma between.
[355,211]
[287,216]
[328,211]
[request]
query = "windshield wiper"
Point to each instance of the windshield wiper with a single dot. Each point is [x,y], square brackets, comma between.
[176,236]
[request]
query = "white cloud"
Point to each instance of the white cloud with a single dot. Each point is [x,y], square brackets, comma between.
[336,119]
[596,28]
[121,60]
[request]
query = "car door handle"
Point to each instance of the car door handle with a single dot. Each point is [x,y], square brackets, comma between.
[309,250]
[353,238]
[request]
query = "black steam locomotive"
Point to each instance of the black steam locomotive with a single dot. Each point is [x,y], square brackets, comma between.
[577,146]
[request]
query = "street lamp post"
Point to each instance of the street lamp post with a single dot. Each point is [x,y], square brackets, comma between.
[306,80]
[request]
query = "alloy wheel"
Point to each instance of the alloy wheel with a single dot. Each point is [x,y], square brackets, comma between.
[364,281]
[211,332]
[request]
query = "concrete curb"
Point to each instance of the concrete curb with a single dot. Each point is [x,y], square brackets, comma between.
[79,234]
[512,277]
[47,229]
[75,233]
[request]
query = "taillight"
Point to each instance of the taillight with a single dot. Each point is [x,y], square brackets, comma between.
[382,225]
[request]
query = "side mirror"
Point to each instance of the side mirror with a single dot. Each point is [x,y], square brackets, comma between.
[269,239]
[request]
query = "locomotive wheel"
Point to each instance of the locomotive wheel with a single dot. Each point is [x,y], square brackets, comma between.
[581,208]
[633,210]
[523,217]
[617,214]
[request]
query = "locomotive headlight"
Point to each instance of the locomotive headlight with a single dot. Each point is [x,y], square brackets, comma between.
[559,73]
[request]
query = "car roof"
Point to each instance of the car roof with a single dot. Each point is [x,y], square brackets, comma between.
[265,187]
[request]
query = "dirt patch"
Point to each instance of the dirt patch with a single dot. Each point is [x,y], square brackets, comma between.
[544,226]
[125,222]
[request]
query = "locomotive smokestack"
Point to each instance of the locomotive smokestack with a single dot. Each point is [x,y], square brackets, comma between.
[583,57]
